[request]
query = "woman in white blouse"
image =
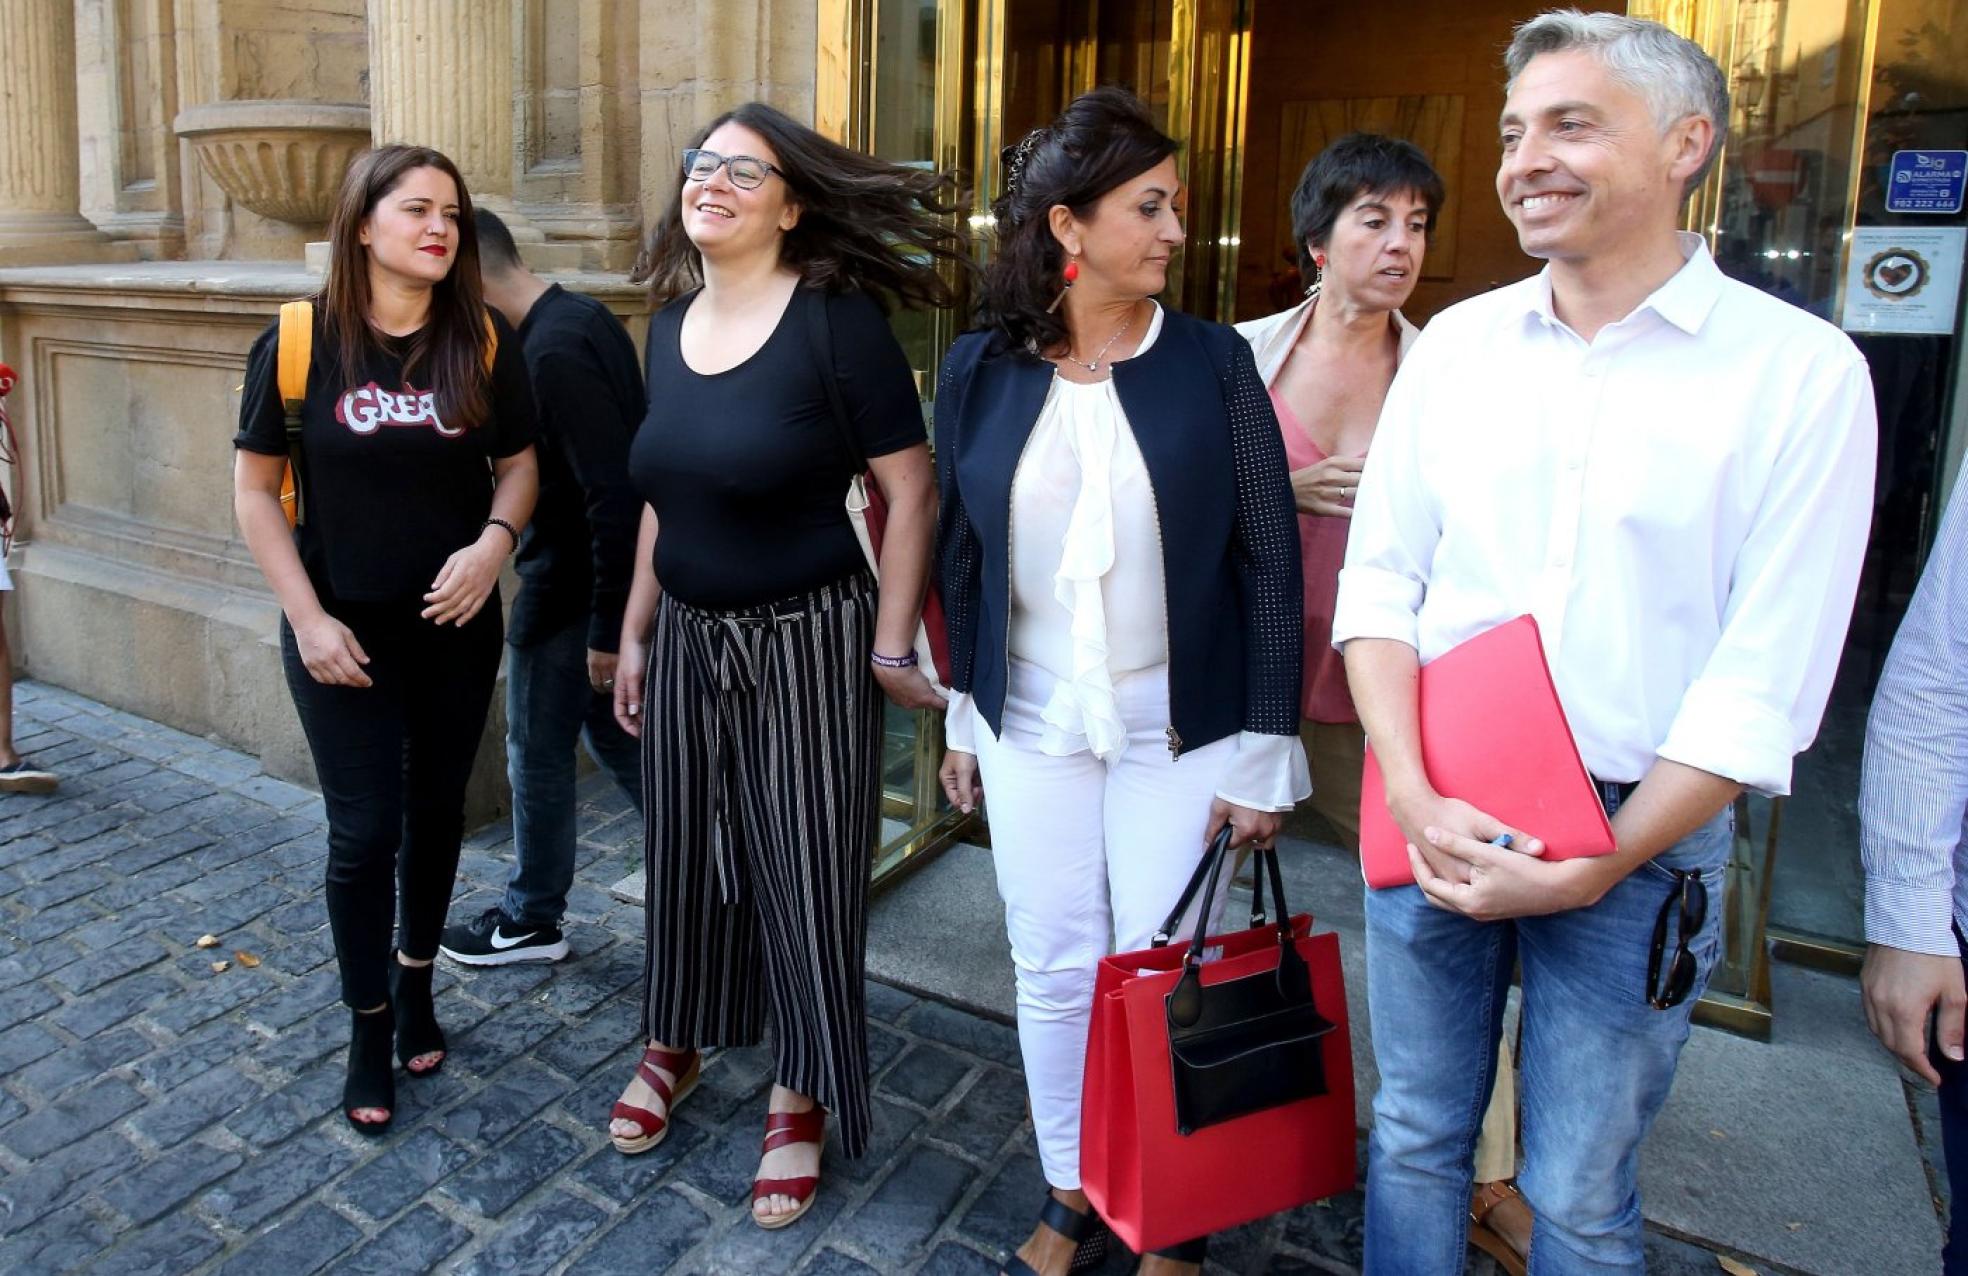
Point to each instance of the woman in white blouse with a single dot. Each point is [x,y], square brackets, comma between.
[1120,567]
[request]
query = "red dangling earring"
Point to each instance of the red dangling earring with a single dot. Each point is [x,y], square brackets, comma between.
[1069,274]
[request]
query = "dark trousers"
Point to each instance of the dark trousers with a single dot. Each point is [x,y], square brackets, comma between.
[392,760]
[1954,1145]
[761,763]
[550,710]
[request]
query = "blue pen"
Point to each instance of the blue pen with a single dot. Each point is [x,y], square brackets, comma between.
[1501,840]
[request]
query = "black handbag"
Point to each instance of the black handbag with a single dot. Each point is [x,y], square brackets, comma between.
[1241,1045]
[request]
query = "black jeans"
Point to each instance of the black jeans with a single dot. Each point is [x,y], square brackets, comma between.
[393,760]
[1954,1146]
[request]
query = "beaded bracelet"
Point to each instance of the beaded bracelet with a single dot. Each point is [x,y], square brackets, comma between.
[500,522]
[893,662]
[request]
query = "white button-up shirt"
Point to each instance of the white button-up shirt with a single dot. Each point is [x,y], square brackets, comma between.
[1682,503]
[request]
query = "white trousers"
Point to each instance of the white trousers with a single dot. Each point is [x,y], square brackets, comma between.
[1090,856]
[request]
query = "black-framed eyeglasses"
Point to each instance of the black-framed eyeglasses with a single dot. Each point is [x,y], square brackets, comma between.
[748,172]
[1668,988]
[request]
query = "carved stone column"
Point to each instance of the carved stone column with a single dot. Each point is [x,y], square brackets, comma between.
[442,78]
[40,167]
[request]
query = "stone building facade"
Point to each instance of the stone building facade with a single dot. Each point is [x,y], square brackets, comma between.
[164,165]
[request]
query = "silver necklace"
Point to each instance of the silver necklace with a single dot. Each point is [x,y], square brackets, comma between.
[1093,365]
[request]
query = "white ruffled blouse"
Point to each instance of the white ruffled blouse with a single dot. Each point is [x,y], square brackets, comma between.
[1088,601]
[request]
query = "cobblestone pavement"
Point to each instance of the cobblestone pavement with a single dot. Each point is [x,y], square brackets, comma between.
[158,1116]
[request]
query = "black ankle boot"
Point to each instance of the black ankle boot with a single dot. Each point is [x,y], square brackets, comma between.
[371,1082]
[416,1018]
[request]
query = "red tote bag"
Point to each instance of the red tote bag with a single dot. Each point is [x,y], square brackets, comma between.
[1157,1185]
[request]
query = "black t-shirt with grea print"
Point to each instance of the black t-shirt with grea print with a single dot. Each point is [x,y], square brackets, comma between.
[389,490]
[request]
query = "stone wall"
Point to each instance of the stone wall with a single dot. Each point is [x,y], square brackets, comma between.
[133,585]
[134,276]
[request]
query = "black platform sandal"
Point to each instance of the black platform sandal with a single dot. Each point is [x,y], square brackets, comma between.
[416,1018]
[1086,1229]
[1196,1251]
[371,1083]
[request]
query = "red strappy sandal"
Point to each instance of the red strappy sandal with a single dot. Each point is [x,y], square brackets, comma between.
[683,1065]
[783,1129]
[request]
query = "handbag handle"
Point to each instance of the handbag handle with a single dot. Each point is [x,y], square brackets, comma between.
[1218,845]
[820,341]
[1206,870]
[1219,851]
[1185,1000]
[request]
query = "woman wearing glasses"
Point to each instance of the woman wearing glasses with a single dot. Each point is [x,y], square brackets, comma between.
[773,377]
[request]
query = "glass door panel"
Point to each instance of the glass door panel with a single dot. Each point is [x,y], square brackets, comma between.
[905,66]
[1915,96]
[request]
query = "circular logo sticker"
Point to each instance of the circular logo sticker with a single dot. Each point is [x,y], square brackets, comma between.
[1896,274]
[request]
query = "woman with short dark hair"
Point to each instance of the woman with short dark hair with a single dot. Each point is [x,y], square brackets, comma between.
[772,379]
[416,474]
[1361,216]
[1120,571]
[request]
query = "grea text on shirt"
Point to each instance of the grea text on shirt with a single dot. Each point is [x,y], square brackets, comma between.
[366,409]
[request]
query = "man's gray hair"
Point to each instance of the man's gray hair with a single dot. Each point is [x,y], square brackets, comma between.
[1673,73]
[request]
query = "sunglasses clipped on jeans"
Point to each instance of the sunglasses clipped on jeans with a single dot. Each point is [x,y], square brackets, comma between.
[748,172]
[1668,988]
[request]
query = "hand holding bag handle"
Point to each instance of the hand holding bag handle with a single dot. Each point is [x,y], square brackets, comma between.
[1219,845]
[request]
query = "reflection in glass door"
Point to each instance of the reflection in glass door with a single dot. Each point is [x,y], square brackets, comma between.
[891,73]
[1914,94]
[1825,92]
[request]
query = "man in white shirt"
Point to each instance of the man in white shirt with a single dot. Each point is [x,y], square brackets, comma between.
[1913,808]
[1673,473]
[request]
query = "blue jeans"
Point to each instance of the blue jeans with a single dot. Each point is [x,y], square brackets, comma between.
[1595,1067]
[549,707]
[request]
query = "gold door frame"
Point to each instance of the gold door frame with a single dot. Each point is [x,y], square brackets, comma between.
[1209,92]
[844,106]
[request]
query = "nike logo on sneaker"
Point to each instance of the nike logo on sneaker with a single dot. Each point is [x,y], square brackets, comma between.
[502,941]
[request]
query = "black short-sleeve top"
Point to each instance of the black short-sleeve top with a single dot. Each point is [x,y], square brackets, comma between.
[747,468]
[389,490]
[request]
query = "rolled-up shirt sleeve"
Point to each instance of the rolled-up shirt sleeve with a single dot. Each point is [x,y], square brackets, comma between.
[1913,788]
[1761,693]
[1394,529]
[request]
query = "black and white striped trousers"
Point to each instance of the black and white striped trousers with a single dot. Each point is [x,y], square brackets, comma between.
[761,786]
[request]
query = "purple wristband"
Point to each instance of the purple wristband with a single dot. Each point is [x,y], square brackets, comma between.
[893,662]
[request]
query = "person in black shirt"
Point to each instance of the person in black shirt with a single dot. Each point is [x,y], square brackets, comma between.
[765,639]
[574,564]
[416,473]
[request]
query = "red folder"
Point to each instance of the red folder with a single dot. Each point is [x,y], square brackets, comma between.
[1494,735]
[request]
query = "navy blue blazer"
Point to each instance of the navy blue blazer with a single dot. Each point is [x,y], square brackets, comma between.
[1229,529]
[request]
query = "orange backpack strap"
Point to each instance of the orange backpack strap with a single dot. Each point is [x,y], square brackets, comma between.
[491,342]
[293,353]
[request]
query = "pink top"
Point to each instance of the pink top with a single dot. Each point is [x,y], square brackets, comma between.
[1322,544]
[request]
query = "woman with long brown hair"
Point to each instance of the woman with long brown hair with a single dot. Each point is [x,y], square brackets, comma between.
[772,379]
[415,474]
